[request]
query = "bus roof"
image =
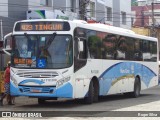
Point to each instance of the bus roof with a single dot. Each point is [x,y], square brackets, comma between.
[112,29]
[116,30]
[99,27]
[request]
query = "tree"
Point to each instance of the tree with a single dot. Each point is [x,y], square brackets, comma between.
[134,3]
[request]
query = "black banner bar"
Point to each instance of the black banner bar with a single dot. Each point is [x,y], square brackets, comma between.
[39,114]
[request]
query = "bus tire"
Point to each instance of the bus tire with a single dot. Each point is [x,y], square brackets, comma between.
[137,88]
[96,92]
[90,98]
[41,101]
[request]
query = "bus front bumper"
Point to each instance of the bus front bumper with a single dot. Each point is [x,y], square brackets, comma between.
[65,91]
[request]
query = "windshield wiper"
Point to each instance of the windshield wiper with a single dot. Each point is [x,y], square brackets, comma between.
[27,36]
[50,40]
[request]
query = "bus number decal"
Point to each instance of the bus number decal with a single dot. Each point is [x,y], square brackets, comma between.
[26,27]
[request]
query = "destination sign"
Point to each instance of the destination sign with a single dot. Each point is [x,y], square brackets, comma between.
[22,61]
[42,26]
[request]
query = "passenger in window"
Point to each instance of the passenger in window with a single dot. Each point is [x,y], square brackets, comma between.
[137,52]
[43,52]
[145,48]
[108,45]
[138,55]
[121,48]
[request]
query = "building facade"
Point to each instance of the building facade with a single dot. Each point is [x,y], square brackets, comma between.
[112,12]
[146,18]
[147,2]
[143,16]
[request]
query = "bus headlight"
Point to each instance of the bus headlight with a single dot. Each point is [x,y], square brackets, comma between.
[14,80]
[62,81]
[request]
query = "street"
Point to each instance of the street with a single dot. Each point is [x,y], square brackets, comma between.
[148,101]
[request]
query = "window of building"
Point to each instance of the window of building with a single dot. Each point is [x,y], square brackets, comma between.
[92,8]
[123,18]
[109,13]
[44,2]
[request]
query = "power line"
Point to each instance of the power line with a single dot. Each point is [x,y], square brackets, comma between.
[57,7]
[87,11]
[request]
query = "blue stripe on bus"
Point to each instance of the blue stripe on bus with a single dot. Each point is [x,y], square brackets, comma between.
[124,69]
[31,80]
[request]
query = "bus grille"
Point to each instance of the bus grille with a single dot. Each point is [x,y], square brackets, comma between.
[37,74]
[26,89]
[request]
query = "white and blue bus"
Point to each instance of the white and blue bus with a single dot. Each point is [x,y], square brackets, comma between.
[55,58]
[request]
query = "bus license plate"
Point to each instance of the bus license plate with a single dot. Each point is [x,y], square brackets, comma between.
[36,90]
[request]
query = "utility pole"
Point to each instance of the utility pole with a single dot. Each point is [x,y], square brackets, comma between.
[82,8]
[142,13]
[1,31]
[153,21]
[1,39]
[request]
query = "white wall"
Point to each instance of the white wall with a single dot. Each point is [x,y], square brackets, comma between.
[4,8]
[125,6]
[109,3]
[36,5]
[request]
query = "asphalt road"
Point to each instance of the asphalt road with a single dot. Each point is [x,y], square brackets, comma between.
[102,108]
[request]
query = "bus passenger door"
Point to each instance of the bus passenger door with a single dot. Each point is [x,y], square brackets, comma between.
[79,84]
[80,61]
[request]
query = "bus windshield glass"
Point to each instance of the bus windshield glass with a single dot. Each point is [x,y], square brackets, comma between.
[42,51]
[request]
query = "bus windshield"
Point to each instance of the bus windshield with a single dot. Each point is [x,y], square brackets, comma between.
[42,51]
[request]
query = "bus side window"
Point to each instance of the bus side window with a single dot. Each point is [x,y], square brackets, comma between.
[109,47]
[121,48]
[130,48]
[153,50]
[137,51]
[146,51]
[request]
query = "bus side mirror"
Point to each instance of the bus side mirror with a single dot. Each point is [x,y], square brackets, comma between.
[80,46]
[80,52]
[7,44]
